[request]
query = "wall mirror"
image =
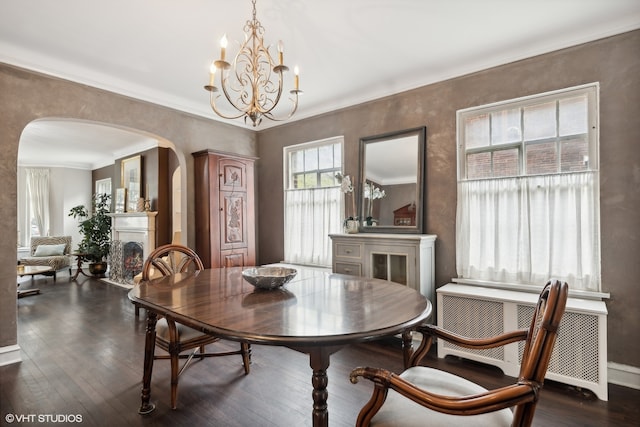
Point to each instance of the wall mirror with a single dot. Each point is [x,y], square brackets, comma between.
[392,171]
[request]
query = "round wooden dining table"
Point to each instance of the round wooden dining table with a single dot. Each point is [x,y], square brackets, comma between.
[316,313]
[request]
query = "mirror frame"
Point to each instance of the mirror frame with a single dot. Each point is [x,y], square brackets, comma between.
[421,134]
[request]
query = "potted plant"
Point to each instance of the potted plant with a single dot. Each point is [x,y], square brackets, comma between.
[95,227]
[351,222]
[371,193]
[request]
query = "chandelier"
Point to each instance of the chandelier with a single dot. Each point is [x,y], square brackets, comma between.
[253,82]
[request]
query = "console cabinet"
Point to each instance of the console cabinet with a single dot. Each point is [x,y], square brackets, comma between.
[224,209]
[402,258]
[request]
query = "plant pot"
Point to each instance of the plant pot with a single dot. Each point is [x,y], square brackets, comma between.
[98,268]
[351,226]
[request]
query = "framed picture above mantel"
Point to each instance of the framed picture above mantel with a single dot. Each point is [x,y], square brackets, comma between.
[131,180]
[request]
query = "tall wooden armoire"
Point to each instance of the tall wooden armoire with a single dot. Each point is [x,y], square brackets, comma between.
[224,209]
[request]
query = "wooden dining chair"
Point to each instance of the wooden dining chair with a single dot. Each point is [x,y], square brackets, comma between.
[176,338]
[425,396]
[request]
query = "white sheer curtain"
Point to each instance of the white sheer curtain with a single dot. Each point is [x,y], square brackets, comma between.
[310,216]
[38,192]
[529,229]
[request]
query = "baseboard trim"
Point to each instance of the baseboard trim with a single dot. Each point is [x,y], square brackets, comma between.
[10,354]
[624,375]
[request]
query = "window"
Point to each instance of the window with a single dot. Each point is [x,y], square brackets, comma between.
[528,190]
[313,202]
[37,207]
[103,186]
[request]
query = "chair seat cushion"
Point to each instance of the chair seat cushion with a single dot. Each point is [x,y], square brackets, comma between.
[55,262]
[400,411]
[185,333]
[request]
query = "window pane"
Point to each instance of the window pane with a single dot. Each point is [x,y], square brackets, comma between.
[573,116]
[337,156]
[505,162]
[542,158]
[310,180]
[476,130]
[297,181]
[505,126]
[296,161]
[328,179]
[325,155]
[574,155]
[540,121]
[479,165]
[311,159]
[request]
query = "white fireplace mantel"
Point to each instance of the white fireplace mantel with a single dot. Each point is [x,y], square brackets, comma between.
[135,227]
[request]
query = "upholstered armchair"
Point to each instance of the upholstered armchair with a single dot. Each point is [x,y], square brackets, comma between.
[424,396]
[50,251]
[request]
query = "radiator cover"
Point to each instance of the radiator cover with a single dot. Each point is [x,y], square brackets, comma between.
[579,357]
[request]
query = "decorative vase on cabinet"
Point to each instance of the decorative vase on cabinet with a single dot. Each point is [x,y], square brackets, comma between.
[225,203]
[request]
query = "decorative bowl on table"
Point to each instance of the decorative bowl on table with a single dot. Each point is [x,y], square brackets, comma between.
[268,277]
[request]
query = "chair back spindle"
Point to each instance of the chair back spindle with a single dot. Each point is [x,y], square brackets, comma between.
[171,259]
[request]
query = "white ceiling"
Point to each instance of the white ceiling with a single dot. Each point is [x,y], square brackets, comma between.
[77,144]
[348,51]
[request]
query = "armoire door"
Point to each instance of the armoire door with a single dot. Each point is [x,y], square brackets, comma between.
[233,204]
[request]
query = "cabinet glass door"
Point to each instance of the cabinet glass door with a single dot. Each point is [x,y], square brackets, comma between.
[390,267]
[398,268]
[379,267]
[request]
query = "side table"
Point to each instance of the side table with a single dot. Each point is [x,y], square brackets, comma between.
[80,258]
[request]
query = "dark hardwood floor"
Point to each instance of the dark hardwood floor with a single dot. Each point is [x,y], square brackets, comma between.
[82,353]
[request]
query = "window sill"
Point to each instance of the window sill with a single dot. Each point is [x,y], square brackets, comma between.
[588,295]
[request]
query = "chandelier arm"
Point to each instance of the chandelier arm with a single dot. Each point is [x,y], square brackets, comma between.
[224,83]
[291,113]
[212,101]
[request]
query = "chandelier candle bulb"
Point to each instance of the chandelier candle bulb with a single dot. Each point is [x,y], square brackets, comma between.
[280,52]
[296,78]
[212,74]
[223,47]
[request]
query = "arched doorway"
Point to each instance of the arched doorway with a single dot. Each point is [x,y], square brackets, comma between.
[72,146]
[30,96]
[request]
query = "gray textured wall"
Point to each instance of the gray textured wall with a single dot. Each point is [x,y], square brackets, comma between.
[614,62]
[26,96]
